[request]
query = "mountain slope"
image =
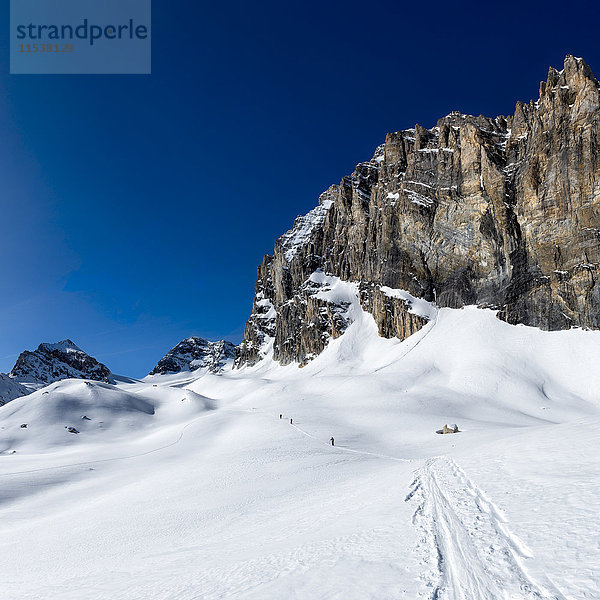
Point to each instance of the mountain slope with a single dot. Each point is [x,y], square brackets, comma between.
[10,389]
[501,212]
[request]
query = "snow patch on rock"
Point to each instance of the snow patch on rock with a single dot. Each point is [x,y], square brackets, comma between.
[417,306]
[299,235]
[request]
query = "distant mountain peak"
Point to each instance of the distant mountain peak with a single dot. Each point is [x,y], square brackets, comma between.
[55,361]
[195,353]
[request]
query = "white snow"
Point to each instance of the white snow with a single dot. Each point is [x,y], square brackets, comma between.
[416,198]
[270,313]
[418,306]
[335,290]
[195,488]
[64,346]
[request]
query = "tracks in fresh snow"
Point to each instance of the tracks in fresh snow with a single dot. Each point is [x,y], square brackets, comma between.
[411,348]
[465,544]
[352,450]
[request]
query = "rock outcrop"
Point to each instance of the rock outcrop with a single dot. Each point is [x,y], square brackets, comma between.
[501,212]
[53,362]
[196,353]
[10,389]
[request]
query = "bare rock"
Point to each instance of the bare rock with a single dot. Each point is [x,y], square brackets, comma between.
[500,212]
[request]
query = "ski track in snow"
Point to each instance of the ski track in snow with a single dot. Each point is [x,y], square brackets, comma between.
[419,340]
[474,554]
[468,550]
[346,449]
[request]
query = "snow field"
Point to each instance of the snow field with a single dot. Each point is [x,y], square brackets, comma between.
[196,489]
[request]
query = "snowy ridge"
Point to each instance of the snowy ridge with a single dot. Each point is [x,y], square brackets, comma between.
[417,306]
[65,346]
[299,235]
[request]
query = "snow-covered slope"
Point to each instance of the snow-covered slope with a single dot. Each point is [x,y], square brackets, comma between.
[236,502]
[196,354]
[53,362]
[100,413]
[10,389]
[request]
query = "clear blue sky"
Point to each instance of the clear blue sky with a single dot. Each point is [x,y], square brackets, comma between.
[135,209]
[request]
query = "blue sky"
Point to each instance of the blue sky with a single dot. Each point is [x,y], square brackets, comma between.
[135,209]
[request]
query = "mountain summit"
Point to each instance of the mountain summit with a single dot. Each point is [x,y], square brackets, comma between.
[53,362]
[195,353]
[499,212]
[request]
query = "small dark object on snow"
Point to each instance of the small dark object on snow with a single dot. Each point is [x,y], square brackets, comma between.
[24,426]
[45,393]
[453,428]
[280,416]
[71,429]
[88,383]
[332,441]
[291,421]
[154,385]
[85,418]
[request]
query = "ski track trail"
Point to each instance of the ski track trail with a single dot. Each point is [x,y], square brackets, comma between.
[328,444]
[346,449]
[411,348]
[467,549]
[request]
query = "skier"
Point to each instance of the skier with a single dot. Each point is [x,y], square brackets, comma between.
[332,441]
[280,416]
[291,421]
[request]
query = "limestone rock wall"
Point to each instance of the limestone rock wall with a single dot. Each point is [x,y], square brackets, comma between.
[501,212]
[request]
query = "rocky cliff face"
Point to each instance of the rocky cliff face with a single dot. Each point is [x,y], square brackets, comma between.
[501,212]
[53,362]
[196,353]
